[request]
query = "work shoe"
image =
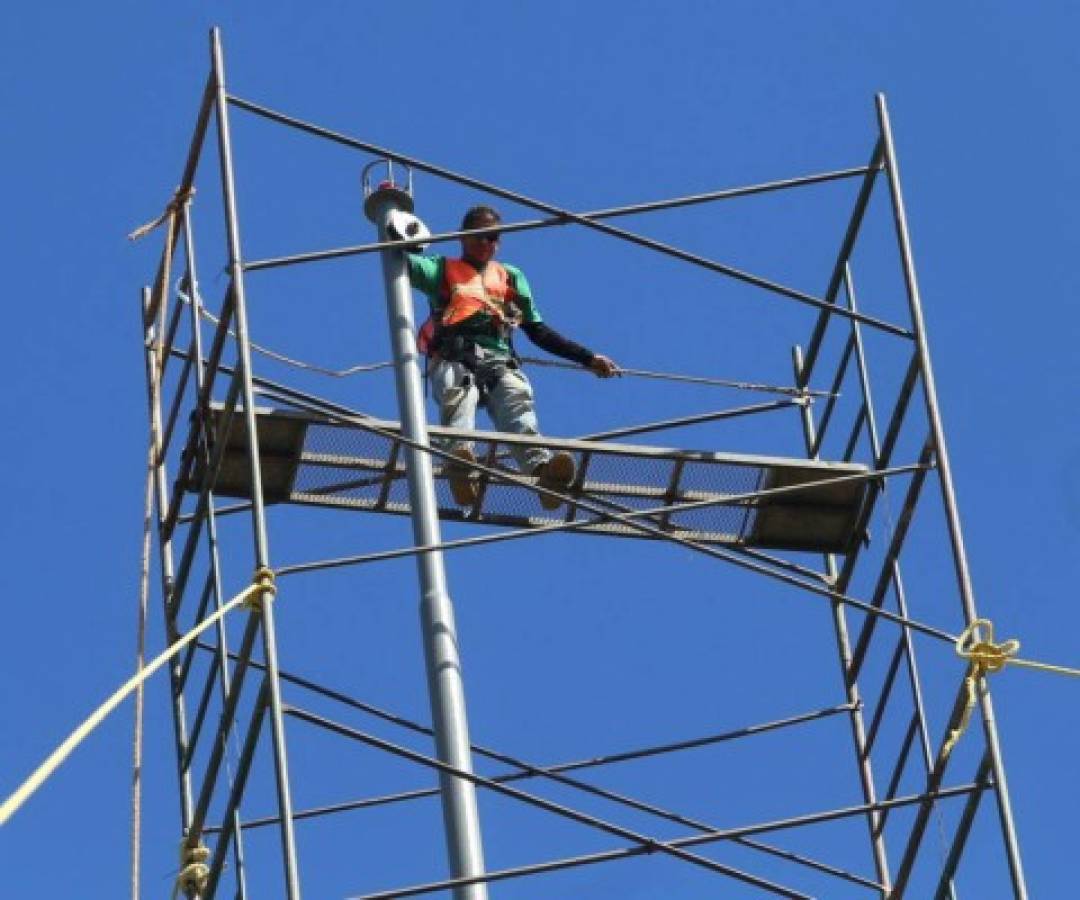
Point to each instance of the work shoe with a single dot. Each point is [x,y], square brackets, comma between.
[557,474]
[462,479]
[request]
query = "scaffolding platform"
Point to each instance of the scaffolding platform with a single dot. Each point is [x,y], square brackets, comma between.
[323,461]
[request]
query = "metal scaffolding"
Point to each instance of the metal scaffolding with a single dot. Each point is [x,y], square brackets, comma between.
[834,524]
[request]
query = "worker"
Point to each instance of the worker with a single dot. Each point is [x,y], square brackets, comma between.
[476,304]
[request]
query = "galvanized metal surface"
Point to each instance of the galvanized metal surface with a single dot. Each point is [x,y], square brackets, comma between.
[734,502]
[446,683]
[313,460]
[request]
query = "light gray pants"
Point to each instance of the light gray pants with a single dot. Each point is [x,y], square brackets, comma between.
[509,401]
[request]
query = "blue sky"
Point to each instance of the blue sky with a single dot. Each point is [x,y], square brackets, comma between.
[571,646]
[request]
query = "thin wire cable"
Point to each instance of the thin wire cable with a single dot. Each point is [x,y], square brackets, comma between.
[688,379]
[288,360]
[532,360]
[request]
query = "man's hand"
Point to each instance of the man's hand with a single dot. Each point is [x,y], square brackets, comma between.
[604,366]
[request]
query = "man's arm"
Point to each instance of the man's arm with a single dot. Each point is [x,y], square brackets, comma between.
[424,272]
[547,338]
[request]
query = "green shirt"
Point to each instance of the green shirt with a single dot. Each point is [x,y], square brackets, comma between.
[426,275]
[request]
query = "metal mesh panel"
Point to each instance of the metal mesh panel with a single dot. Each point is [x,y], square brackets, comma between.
[354,467]
[699,479]
[351,467]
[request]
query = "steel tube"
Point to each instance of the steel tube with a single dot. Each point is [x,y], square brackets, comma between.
[853,437]
[625,518]
[573,217]
[892,555]
[652,845]
[509,227]
[528,770]
[188,658]
[884,695]
[232,808]
[174,410]
[174,318]
[882,460]
[967,819]
[165,556]
[843,649]
[200,711]
[191,542]
[905,646]
[898,582]
[446,686]
[258,513]
[225,724]
[847,246]
[933,781]
[629,852]
[348,416]
[221,657]
[591,762]
[191,164]
[219,511]
[948,494]
[683,421]
[834,395]
[901,762]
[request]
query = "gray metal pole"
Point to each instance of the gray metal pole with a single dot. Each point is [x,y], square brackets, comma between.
[851,687]
[258,512]
[445,684]
[963,575]
[222,655]
[165,556]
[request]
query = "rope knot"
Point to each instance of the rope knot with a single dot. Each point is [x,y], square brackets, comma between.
[263,588]
[194,871]
[179,198]
[976,644]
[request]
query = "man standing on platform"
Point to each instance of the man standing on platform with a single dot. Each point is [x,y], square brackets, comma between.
[476,303]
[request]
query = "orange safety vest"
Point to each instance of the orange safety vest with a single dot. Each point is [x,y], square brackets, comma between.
[465,292]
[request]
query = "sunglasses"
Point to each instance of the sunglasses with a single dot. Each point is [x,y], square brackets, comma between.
[490,238]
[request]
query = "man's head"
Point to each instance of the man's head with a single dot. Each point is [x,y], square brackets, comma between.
[480,248]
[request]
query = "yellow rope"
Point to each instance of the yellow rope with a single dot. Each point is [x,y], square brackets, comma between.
[976,644]
[261,587]
[179,198]
[194,871]
[267,590]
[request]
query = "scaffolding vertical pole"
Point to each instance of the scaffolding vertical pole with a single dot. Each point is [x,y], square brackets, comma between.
[153,359]
[222,649]
[914,682]
[445,684]
[258,511]
[948,493]
[874,819]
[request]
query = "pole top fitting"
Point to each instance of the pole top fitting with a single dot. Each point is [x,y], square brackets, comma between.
[386,192]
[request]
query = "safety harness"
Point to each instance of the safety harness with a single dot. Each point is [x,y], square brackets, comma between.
[464,293]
